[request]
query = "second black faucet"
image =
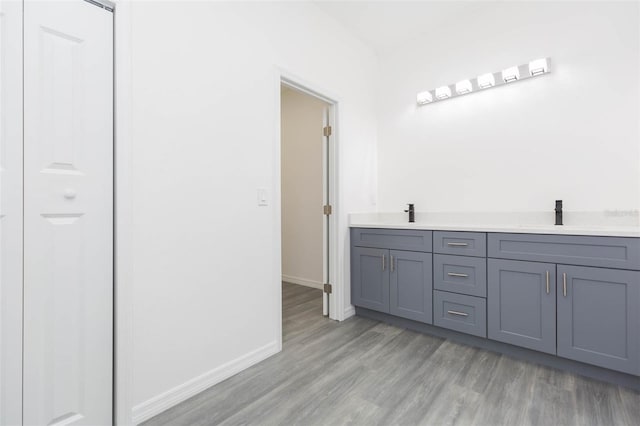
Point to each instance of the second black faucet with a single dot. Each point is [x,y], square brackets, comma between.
[558,212]
[412,213]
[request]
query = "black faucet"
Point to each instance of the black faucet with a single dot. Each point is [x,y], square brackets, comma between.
[412,213]
[558,212]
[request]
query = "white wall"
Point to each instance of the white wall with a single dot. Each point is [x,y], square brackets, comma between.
[205,137]
[571,135]
[302,189]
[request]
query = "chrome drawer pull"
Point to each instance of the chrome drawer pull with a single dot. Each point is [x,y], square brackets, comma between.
[383,262]
[462,314]
[455,274]
[547,282]
[392,267]
[564,284]
[458,244]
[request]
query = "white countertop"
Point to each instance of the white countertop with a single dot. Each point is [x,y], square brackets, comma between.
[607,223]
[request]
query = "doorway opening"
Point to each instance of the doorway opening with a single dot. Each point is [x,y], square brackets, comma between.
[307,207]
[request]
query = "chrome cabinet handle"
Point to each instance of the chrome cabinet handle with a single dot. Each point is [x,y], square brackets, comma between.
[392,267]
[462,314]
[564,284]
[455,274]
[383,263]
[458,244]
[547,282]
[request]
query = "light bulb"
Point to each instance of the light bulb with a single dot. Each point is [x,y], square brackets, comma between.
[443,92]
[486,81]
[539,66]
[463,87]
[511,74]
[424,98]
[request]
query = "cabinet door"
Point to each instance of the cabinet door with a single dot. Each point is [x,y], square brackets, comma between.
[521,304]
[599,317]
[411,285]
[370,278]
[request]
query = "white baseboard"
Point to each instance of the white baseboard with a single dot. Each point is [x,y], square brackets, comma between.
[168,399]
[302,281]
[349,312]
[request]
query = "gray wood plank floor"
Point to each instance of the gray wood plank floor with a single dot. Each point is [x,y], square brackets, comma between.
[363,372]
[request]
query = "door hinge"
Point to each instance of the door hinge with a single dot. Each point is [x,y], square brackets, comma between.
[326,130]
[328,288]
[327,209]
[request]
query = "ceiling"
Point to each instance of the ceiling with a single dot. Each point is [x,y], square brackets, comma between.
[384,25]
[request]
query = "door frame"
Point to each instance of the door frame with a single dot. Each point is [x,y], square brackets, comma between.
[123,216]
[330,253]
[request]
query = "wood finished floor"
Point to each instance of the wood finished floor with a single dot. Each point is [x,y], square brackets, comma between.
[363,372]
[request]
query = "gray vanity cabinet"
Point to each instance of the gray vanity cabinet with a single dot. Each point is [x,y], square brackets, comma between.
[521,304]
[584,313]
[370,278]
[411,289]
[572,296]
[599,317]
[392,272]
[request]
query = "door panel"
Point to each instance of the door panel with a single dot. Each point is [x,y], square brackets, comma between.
[411,288]
[370,278]
[599,317]
[520,309]
[68,169]
[10,212]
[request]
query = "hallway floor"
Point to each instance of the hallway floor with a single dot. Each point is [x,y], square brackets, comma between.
[365,372]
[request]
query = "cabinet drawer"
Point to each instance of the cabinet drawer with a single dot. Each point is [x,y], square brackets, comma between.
[460,274]
[395,239]
[464,243]
[466,314]
[606,252]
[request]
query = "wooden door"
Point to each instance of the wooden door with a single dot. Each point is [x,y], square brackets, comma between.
[68,213]
[10,212]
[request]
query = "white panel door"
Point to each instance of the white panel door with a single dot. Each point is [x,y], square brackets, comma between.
[10,212]
[68,220]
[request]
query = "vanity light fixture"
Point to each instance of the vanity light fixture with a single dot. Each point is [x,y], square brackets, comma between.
[486,80]
[443,92]
[539,66]
[424,98]
[463,87]
[509,75]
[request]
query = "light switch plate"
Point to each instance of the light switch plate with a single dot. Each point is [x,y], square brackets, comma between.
[263,197]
